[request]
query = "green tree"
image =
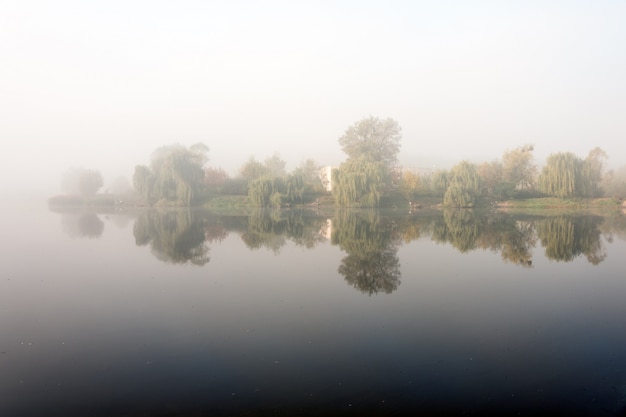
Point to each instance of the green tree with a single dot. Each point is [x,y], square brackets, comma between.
[253,169]
[371,170]
[275,166]
[593,172]
[440,182]
[376,139]
[464,186]
[518,168]
[176,175]
[562,176]
[309,171]
[491,175]
[360,182]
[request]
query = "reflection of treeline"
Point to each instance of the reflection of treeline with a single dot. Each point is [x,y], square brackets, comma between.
[371,243]
[514,237]
[566,237]
[178,236]
[272,228]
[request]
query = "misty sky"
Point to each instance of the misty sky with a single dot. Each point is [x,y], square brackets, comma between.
[102,84]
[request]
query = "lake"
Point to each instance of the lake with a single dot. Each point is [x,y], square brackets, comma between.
[303,312]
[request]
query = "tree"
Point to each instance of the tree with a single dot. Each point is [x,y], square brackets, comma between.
[518,168]
[562,175]
[176,174]
[215,179]
[464,186]
[373,138]
[491,174]
[309,171]
[253,169]
[275,166]
[440,182]
[360,182]
[410,185]
[82,181]
[593,172]
[371,170]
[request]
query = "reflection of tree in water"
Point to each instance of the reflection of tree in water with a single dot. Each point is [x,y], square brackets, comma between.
[518,239]
[174,237]
[460,227]
[467,230]
[82,225]
[566,237]
[372,263]
[272,228]
[614,226]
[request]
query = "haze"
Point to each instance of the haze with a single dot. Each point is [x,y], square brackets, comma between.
[101,85]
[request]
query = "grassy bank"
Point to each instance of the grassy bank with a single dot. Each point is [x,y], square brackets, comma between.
[565,204]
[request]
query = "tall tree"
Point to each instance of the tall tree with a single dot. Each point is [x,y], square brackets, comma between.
[275,165]
[176,175]
[253,169]
[518,168]
[82,181]
[593,172]
[372,146]
[464,186]
[561,176]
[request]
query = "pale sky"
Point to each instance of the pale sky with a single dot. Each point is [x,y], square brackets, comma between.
[102,84]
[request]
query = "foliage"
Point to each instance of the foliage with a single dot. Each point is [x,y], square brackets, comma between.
[373,138]
[491,178]
[464,186]
[267,191]
[82,181]
[275,166]
[518,168]
[215,179]
[372,146]
[410,185]
[566,175]
[176,175]
[614,182]
[360,182]
[309,172]
[253,170]
[562,176]
[440,181]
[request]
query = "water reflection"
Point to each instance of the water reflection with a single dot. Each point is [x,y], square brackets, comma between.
[567,237]
[177,236]
[371,242]
[82,225]
[369,238]
[272,229]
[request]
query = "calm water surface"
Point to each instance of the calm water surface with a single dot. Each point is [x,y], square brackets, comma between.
[180,313]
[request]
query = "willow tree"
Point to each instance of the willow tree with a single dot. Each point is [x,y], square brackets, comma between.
[518,169]
[175,175]
[372,146]
[360,182]
[464,186]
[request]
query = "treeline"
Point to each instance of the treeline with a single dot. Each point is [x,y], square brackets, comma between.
[369,177]
[564,175]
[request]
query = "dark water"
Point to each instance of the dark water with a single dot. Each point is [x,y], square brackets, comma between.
[188,313]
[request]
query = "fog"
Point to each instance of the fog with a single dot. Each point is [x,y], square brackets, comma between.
[101,85]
